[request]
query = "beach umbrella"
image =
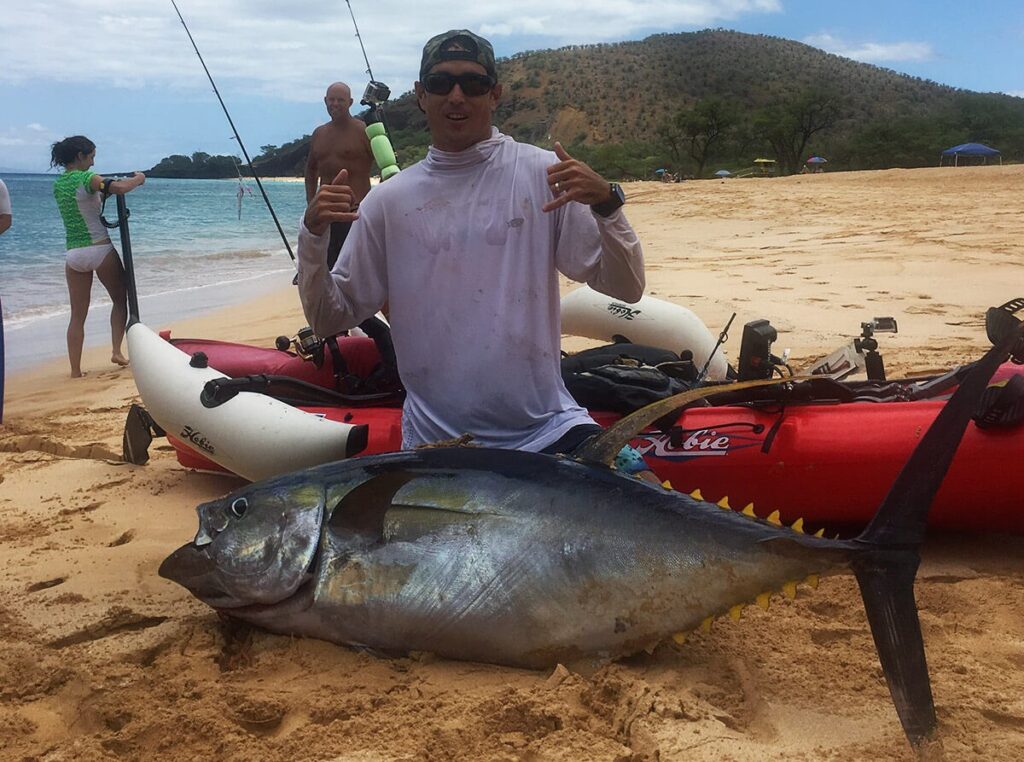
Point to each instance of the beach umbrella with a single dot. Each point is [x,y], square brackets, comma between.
[723,173]
[816,160]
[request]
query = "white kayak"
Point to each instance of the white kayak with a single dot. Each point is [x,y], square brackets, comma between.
[650,321]
[250,434]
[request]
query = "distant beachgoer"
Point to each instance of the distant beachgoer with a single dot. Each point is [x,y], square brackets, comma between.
[5,208]
[339,144]
[79,195]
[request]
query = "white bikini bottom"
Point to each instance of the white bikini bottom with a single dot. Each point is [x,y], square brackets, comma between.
[87,258]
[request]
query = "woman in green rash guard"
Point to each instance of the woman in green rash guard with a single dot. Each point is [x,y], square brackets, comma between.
[79,194]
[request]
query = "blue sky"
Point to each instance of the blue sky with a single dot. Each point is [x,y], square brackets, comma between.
[124,73]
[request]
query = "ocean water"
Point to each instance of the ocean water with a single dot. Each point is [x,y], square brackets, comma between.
[192,244]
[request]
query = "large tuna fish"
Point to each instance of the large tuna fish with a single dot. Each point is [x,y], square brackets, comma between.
[526,559]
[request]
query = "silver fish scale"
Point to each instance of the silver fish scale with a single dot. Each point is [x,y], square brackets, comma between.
[514,570]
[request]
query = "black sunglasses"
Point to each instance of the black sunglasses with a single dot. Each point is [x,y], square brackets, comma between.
[472,85]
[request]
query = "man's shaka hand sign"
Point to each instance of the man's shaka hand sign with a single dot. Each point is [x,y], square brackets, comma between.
[332,203]
[572,180]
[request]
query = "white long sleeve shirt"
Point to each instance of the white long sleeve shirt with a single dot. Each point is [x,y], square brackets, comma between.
[460,249]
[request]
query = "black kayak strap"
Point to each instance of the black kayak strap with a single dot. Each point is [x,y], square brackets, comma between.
[1002,405]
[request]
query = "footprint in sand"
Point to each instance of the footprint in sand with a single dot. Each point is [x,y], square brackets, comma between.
[35,443]
[46,584]
[824,637]
[256,714]
[123,539]
[117,620]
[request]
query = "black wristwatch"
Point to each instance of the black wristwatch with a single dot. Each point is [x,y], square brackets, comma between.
[605,208]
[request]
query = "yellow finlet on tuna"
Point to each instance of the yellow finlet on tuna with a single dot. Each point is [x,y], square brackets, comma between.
[724,503]
[749,511]
[696,494]
[789,590]
[763,600]
[666,484]
[706,624]
[798,526]
[812,580]
[775,519]
[734,612]
[679,638]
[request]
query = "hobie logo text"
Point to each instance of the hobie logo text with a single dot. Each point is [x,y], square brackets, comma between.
[622,311]
[697,443]
[196,438]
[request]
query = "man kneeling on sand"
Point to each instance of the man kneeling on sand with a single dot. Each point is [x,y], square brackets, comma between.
[466,247]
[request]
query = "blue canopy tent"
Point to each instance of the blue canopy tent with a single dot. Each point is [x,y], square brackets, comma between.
[973,150]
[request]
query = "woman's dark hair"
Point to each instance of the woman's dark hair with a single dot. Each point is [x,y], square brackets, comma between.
[65,151]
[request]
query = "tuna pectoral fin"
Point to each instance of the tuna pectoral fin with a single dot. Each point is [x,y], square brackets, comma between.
[886,582]
[604,447]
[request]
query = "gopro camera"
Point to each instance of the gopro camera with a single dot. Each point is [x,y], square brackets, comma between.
[879,325]
[375,94]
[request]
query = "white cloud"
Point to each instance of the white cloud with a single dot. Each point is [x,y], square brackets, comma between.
[289,50]
[29,136]
[872,52]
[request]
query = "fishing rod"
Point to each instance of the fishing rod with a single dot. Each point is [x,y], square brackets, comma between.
[360,38]
[374,97]
[722,338]
[238,137]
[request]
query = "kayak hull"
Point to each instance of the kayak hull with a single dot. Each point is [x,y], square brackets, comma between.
[829,464]
[252,435]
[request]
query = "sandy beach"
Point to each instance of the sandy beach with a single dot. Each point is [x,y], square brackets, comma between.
[100,658]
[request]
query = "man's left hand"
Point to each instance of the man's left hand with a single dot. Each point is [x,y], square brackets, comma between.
[572,180]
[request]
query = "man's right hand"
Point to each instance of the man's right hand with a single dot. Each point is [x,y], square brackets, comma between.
[332,203]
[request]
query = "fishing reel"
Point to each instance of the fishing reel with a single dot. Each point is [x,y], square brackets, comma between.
[307,345]
[375,95]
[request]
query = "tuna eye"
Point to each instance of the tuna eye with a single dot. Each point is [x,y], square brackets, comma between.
[239,507]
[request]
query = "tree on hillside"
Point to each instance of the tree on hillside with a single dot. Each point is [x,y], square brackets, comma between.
[706,125]
[788,125]
[897,142]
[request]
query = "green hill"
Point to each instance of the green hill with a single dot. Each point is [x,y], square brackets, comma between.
[695,102]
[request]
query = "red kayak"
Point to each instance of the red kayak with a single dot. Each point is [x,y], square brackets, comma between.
[827,462]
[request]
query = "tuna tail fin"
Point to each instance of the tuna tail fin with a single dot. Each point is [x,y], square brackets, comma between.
[886,569]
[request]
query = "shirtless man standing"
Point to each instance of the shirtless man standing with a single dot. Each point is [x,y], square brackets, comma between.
[339,144]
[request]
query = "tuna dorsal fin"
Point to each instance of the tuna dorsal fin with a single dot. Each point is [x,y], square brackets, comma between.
[604,447]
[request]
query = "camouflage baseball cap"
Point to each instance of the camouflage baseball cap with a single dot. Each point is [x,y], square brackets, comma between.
[458,45]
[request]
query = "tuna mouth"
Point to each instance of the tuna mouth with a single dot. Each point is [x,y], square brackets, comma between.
[300,600]
[192,567]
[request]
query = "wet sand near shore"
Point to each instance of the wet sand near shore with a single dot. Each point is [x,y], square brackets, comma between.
[100,658]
